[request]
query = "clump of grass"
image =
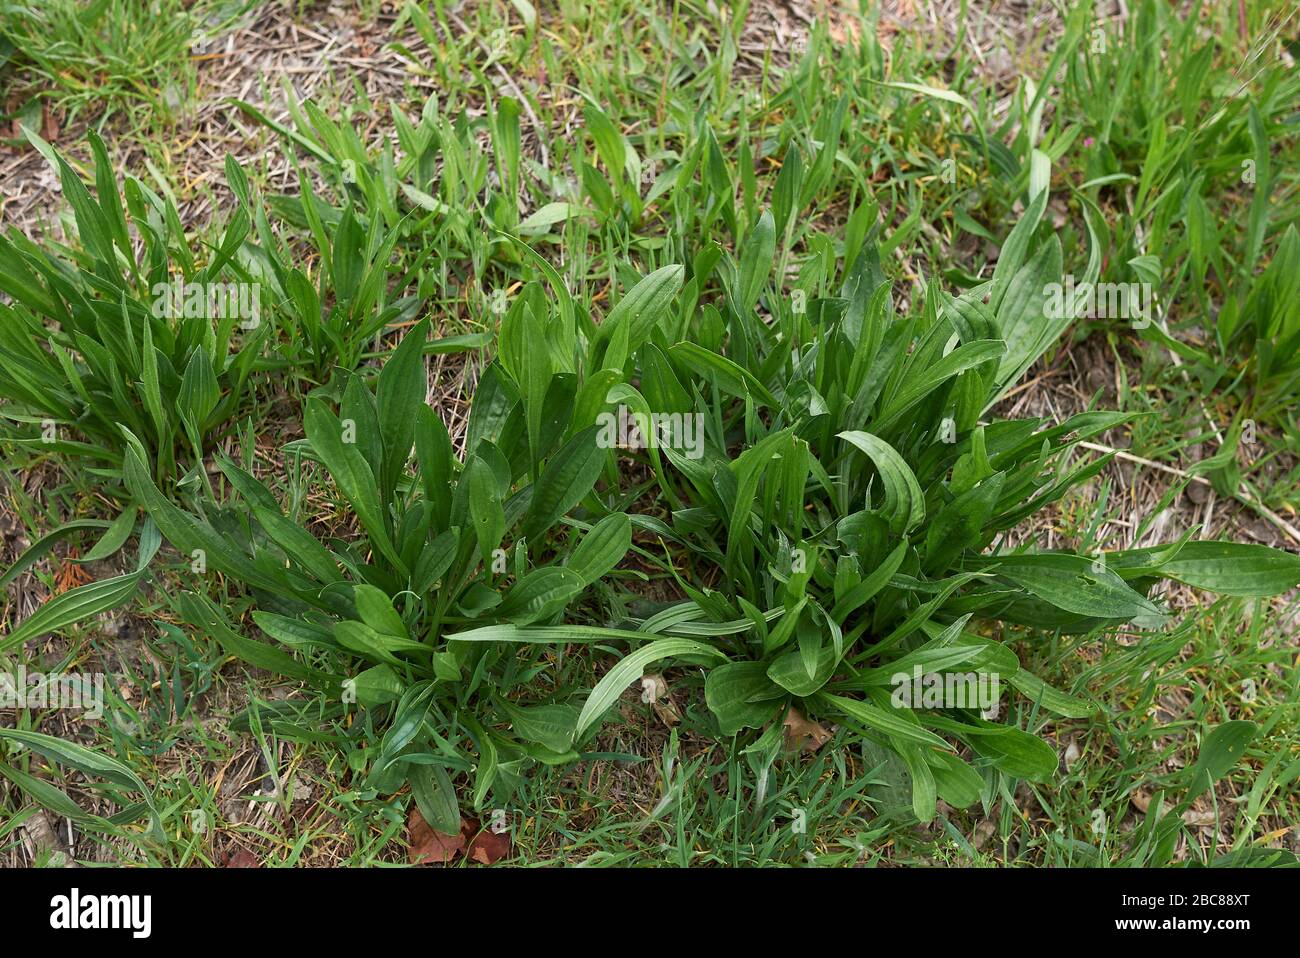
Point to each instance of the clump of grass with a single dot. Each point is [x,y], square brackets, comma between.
[106,57]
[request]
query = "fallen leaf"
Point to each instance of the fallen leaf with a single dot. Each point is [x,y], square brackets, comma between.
[802,734]
[654,690]
[242,858]
[487,847]
[1203,817]
[428,846]
[70,575]
[49,123]
[1071,754]
[1142,801]
[43,836]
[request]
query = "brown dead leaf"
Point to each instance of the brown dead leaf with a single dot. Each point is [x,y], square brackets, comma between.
[42,835]
[242,858]
[476,843]
[428,846]
[485,847]
[70,575]
[653,687]
[654,690]
[802,734]
[1142,801]
[49,123]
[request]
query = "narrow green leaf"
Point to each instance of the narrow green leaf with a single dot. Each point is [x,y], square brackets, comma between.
[628,670]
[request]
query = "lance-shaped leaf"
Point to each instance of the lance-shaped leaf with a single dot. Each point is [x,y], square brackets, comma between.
[73,606]
[399,395]
[88,763]
[1228,568]
[904,502]
[755,263]
[569,475]
[1076,584]
[629,669]
[741,695]
[643,307]
[602,548]
[539,595]
[351,472]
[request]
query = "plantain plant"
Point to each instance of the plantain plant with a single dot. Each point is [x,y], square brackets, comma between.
[849,516]
[119,329]
[127,331]
[452,544]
